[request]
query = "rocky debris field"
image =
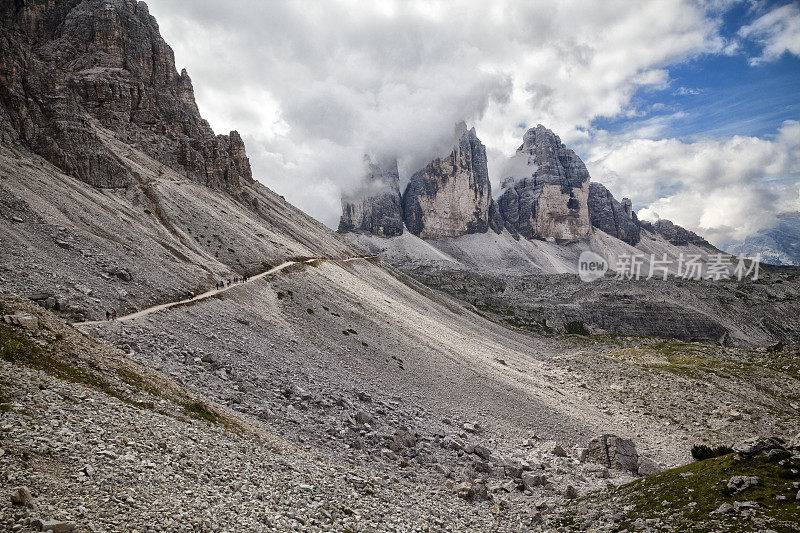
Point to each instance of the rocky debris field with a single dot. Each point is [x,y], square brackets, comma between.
[753,487]
[745,314]
[222,415]
[93,441]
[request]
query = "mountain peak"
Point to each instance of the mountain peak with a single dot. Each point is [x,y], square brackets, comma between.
[113,68]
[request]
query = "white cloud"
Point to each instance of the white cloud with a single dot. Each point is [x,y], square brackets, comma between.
[777,31]
[313,85]
[724,189]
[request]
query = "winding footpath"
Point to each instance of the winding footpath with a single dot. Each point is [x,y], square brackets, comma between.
[212,292]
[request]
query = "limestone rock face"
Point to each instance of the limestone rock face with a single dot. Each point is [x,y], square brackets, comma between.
[546,190]
[74,74]
[452,196]
[675,234]
[614,452]
[377,207]
[613,217]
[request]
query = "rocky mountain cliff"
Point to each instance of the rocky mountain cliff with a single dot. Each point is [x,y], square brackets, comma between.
[70,69]
[614,217]
[114,192]
[377,207]
[452,196]
[675,234]
[545,194]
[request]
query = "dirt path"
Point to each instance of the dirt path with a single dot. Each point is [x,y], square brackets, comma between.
[208,294]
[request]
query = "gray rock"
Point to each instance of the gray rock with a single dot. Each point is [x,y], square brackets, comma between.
[648,467]
[614,452]
[739,506]
[121,74]
[22,496]
[545,190]
[56,526]
[613,217]
[452,196]
[752,446]
[376,207]
[483,452]
[742,483]
[725,508]
[675,234]
[531,480]
[570,493]
[558,451]
[23,320]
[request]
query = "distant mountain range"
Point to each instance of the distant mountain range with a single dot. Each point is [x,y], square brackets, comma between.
[779,245]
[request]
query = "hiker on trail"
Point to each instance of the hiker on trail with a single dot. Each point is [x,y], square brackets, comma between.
[108,315]
[114,314]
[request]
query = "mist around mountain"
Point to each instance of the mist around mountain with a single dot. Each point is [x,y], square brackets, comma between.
[778,245]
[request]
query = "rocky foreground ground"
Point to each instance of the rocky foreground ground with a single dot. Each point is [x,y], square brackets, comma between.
[110,439]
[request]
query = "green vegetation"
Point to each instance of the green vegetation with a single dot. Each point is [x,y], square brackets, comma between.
[310,311]
[576,328]
[701,451]
[201,412]
[19,350]
[686,497]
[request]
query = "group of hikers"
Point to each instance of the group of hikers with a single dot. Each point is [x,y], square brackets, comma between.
[227,283]
[111,315]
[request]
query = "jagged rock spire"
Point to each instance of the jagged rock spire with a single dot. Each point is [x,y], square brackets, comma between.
[546,194]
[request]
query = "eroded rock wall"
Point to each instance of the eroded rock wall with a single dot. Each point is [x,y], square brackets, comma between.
[546,194]
[376,208]
[74,72]
[452,196]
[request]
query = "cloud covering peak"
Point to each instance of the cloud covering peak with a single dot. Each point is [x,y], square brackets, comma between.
[314,86]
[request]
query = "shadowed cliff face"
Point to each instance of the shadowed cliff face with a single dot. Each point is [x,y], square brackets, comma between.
[452,196]
[614,217]
[376,208]
[70,69]
[547,197]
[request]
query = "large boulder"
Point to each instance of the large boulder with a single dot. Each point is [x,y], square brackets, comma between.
[376,207]
[754,445]
[615,452]
[545,190]
[613,217]
[452,196]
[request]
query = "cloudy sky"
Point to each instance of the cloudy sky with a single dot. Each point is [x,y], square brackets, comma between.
[690,108]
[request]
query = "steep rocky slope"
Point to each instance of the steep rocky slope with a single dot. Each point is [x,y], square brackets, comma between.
[331,395]
[613,217]
[114,192]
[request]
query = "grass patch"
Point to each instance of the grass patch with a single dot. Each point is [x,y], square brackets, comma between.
[19,350]
[200,411]
[694,491]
